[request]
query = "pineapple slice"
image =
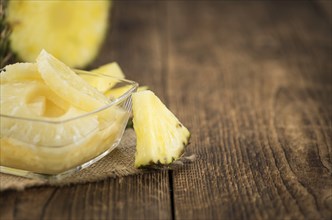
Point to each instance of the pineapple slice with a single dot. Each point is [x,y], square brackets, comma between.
[42,132]
[71,30]
[34,100]
[117,92]
[112,69]
[103,84]
[19,72]
[68,85]
[72,88]
[37,105]
[30,99]
[161,138]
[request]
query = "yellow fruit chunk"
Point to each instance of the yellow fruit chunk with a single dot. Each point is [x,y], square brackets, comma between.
[68,85]
[103,84]
[19,72]
[71,30]
[29,99]
[37,105]
[47,113]
[44,132]
[117,92]
[161,138]
[53,160]
[111,69]
[52,120]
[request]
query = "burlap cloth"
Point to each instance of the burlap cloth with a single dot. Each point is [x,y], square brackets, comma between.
[120,162]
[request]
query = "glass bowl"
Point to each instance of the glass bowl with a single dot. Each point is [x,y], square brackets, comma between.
[53,148]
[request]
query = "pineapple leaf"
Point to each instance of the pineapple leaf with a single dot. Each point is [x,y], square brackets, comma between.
[6,55]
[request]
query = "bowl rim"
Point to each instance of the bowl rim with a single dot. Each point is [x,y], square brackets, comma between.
[133,86]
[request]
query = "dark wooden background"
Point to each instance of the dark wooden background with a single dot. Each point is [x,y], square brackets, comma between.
[252,81]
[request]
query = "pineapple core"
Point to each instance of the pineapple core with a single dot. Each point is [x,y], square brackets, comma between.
[161,137]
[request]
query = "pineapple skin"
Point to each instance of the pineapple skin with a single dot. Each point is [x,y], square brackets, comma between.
[73,31]
[161,137]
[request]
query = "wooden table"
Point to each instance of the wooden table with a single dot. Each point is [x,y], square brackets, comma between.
[252,81]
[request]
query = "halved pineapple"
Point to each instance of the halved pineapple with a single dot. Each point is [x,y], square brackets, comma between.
[71,30]
[161,137]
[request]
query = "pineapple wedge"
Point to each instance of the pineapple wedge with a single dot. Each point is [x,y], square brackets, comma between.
[71,30]
[161,137]
[117,92]
[101,84]
[111,69]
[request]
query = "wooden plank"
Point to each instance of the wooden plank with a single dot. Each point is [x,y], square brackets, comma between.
[145,196]
[252,81]
[326,8]
[133,41]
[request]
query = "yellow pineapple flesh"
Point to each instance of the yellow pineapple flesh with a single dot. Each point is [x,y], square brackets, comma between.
[34,100]
[117,92]
[68,85]
[51,119]
[103,84]
[72,31]
[19,72]
[161,137]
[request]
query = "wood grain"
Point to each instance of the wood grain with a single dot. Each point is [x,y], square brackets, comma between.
[252,81]
[326,7]
[139,197]
[256,95]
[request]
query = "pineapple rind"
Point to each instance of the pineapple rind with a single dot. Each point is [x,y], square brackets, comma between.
[161,138]
[71,30]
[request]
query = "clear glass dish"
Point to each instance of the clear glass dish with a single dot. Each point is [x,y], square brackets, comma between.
[54,148]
